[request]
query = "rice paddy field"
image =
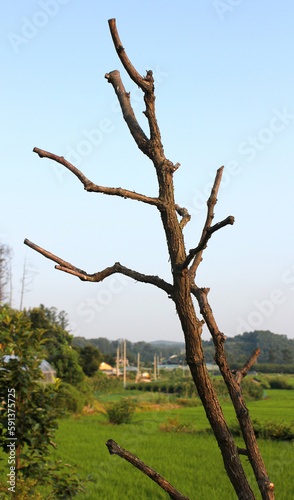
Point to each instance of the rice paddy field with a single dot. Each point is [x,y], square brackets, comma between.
[191,462]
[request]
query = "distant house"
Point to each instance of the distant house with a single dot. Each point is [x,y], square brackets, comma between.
[107,369]
[48,371]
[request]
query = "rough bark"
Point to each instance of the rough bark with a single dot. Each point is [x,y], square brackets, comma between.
[183,287]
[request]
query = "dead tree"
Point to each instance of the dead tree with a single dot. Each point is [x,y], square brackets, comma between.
[183,288]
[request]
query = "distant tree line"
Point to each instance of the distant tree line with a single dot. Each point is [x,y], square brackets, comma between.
[77,357]
[275,349]
[147,350]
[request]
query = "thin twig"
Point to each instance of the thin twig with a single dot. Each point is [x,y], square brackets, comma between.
[208,230]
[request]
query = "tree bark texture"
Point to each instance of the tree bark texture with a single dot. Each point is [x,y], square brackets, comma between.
[183,289]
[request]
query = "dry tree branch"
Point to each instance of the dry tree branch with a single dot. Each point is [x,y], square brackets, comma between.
[197,252]
[240,374]
[184,285]
[151,146]
[115,449]
[101,275]
[233,385]
[125,103]
[143,83]
[91,187]
[208,230]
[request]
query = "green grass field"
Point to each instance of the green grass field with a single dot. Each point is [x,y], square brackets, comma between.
[191,462]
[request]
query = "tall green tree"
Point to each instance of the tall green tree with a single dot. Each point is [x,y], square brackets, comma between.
[90,358]
[58,347]
[31,410]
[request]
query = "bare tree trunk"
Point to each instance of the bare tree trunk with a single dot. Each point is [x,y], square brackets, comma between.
[183,288]
[26,280]
[5,273]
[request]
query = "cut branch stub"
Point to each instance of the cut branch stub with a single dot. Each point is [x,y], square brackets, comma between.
[183,212]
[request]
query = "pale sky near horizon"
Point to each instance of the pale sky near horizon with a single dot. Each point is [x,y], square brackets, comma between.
[224,94]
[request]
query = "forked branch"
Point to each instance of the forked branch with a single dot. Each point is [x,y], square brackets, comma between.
[91,187]
[128,113]
[115,449]
[150,147]
[208,230]
[240,374]
[66,267]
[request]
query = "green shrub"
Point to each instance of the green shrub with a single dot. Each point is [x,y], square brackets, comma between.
[252,389]
[70,399]
[281,431]
[103,384]
[34,408]
[188,403]
[25,490]
[280,383]
[173,424]
[121,412]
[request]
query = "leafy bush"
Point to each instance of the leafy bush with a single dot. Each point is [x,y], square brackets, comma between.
[121,412]
[188,403]
[220,387]
[101,383]
[252,389]
[70,399]
[181,388]
[25,490]
[282,431]
[280,383]
[32,408]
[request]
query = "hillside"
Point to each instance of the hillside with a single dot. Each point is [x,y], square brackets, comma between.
[277,349]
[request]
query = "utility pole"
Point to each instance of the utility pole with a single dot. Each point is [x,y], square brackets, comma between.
[117,361]
[125,380]
[138,367]
[155,368]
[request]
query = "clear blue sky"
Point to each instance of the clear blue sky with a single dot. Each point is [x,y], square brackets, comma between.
[224,85]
